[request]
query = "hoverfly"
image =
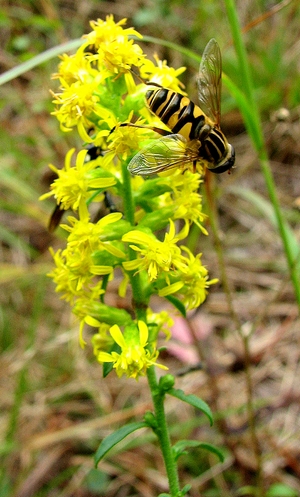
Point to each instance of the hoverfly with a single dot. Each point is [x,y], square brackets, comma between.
[195,131]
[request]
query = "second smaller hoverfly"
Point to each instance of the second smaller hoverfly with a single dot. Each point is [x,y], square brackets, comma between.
[195,134]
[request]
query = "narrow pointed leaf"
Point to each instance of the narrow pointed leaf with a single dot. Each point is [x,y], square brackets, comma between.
[177,304]
[111,440]
[107,368]
[181,445]
[194,401]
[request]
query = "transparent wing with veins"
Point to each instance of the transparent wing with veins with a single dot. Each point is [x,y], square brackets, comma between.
[165,153]
[209,81]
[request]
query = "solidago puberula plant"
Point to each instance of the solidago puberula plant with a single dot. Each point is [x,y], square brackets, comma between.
[143,238]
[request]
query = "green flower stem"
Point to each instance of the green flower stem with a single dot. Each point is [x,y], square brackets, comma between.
[138,297]
[140,305]
[127,195]
[162,433]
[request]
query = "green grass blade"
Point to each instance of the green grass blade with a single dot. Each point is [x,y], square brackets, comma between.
[259,144]
[39,59]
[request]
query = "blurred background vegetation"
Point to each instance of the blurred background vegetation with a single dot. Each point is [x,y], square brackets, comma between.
[54,406]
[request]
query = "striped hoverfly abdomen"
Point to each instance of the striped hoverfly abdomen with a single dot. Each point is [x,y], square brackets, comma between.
[195,134]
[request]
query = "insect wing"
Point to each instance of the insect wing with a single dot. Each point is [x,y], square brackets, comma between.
[55,218]
[165,153]
[209,81]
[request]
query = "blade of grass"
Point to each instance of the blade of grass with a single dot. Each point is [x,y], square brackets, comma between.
[283,228]
[39,59]
[258,143]
[21,384]
[21,387]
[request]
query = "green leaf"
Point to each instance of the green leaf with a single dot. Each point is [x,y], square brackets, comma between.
[107,368]
[158,219]
[111,440]
[194,401]
[281,490]
[177,304]
[108,314]
[181,445]
[97,481]
[185,489]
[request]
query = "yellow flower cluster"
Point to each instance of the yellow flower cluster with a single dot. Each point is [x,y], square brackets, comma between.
[73,185]
[134,358]
[114,50]
[117,220]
